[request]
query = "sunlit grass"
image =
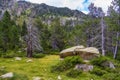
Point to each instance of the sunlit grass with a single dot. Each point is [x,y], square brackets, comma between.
[39,67]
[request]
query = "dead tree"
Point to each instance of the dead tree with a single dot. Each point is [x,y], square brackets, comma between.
[32,39]
[29,42]
[103,36]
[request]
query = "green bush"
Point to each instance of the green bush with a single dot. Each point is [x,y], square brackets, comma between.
[111,76]
[108,76]
[118,55]
[12,53]
[110,70]
[8,55]
[67,63]
[20,54]
[53,53]
[2,71]
[73,60]
[19,77]
[98,71]
[74,73]
[38,55]
[99,61]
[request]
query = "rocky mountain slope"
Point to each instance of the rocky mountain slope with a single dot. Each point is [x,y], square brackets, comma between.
[19,7]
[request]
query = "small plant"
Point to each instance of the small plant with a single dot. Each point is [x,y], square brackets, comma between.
[73,60]
[11,54]
[111,76]
[98,71]
[110,70]
[38,55]
[19,77]
[8,55]
[2,71]
[67,63]
[99,61]
[74,73]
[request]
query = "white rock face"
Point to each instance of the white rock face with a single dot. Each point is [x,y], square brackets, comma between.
[18,58]
[30,60]
[108,64]
[84,67]
[59,77]
[7,75]
[36,78]
[111,65]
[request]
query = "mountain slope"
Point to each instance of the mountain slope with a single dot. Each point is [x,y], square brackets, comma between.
[43,9]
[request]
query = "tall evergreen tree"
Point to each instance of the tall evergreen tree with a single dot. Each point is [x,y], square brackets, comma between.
[57,35]
[24,29]
[114,23]
[9,33]
[97,29]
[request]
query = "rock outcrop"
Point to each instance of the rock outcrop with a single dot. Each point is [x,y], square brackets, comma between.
[7,75]
[85,53]
[84,67]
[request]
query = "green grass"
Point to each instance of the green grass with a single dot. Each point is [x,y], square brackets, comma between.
[41,67]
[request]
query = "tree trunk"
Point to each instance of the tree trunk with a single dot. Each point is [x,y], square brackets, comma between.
[29,43]
[29,49]
[103,38]
[116,46]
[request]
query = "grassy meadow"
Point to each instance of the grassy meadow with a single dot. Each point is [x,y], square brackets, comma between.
[39,67]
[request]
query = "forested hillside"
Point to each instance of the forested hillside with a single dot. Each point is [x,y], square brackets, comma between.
[42,28]
[32,37]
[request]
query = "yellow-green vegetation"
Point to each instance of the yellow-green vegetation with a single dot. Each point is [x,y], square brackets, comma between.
[38,67]
[41,67]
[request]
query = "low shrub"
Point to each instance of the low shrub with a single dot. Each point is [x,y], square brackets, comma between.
[20,54]
[2,71]
[12,53]
[19,77]
[38,55]
[111,76]
[67,63]
[74,73]
[118,56]
[8,55]
[73,60]
[98,71]
[110,70]
[99,61]
[53,53]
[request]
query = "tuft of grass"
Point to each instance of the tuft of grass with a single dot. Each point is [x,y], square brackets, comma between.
[74,73]
[99,61]
[38,55]
[97,71]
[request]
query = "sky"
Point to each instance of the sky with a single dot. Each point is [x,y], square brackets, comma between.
[81,5]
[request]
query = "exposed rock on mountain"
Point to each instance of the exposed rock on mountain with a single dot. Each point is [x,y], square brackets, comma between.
[38,9]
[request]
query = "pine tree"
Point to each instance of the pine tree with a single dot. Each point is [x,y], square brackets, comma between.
[96,33]
[24,29]
[114,23]
[9,33]
[57,36]
[6,21]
